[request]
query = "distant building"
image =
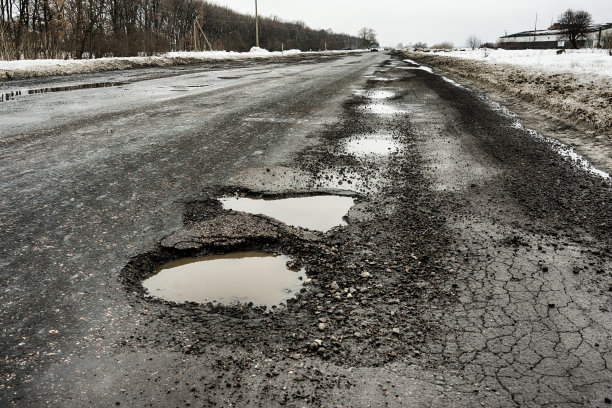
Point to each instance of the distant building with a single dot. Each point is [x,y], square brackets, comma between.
[552,39]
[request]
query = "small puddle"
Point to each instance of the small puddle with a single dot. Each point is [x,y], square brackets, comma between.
[379,94]
[320,213]
[240,277]
[7,96]
[381,109]
[379,145]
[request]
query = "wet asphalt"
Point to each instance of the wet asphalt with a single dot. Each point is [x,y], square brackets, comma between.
[475,268]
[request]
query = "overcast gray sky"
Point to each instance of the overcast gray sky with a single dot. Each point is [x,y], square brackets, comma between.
[430,21]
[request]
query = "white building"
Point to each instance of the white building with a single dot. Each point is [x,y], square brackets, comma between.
[553,38]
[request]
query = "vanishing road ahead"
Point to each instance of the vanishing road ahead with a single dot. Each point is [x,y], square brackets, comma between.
[474,267]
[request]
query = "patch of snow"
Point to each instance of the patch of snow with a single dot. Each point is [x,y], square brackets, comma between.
[582,61]
[43,67]
[259,50]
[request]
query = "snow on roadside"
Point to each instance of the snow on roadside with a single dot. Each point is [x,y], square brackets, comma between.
[583,61]
[541,77]
[45,67]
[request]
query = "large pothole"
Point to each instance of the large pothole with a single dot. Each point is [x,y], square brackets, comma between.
[319,213]
[227,254]
[247,277]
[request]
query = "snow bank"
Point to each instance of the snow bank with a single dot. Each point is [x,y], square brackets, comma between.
[576,86]
[583,61]
[33,68]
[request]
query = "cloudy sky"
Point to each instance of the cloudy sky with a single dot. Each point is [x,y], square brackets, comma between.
[430,21]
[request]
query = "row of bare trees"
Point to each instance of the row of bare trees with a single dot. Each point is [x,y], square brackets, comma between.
[98,28]
[229,30]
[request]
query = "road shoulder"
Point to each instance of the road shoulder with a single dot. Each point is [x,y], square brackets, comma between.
[557,106]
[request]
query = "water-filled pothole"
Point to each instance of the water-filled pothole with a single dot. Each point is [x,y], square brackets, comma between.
[320,213]
[260,278]
[367,145]
[7,96]
[376,94]
[382,109]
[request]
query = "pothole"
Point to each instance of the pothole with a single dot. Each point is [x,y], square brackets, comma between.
[378,94]
[377,144]
[381,109]
[250,277]
[319,213]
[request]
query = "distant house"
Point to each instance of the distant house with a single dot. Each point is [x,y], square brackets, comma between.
[552,38]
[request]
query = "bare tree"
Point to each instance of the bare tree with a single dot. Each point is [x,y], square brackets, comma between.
[97,28]
[367,36]
[473,42]
[574,25]
[420,45]
[606,41]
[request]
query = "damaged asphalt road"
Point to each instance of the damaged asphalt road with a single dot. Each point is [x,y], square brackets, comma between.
[474,268]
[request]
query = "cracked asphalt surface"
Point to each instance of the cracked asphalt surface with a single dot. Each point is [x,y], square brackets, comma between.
[474,269]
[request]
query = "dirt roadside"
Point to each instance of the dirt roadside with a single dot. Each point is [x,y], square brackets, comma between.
[574,110]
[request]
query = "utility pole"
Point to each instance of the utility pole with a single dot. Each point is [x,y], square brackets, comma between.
[256,26]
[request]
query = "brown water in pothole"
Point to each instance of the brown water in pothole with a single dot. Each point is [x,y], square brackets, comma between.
[240,277]
[320,213]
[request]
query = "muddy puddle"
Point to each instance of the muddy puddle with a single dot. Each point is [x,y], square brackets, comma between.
[320,213]
[260,278]
[7,96]
[368,145]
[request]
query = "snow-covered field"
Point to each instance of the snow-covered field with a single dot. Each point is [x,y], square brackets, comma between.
[34,68]
[584,61]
